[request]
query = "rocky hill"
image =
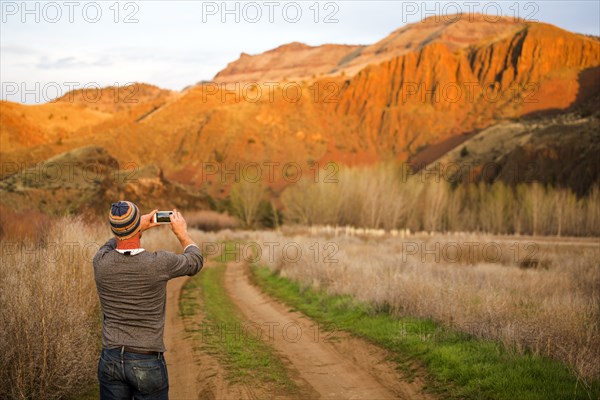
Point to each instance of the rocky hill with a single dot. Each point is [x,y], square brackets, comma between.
[287,62]
[296,61]
[420,92]
[89,178]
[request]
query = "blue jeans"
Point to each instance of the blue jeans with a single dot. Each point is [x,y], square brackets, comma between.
[124,375]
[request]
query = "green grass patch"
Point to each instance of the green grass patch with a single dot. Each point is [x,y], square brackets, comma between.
[229,252]
[456,365]
[221,333]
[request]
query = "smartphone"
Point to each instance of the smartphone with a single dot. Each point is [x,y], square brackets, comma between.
[163,217]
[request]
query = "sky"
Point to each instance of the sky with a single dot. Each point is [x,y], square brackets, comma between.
[49,47]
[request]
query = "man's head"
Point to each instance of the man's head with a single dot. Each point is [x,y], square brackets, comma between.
[124,219]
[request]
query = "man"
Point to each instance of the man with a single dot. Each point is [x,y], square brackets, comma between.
[131,285]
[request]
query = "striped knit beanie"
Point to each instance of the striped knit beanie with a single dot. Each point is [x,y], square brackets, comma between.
[124,219]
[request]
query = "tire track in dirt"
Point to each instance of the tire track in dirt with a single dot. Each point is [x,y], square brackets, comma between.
[194,374]
[347,368]
[183,371]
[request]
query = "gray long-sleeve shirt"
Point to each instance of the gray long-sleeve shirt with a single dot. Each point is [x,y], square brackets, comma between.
[133,293]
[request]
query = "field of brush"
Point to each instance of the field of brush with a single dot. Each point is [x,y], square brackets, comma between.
[533,295]
[536,295]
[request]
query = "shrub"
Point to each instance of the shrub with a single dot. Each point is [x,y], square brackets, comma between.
[49,315]
[208,220]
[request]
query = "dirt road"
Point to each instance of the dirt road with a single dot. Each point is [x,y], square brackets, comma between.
[194,374]
[183,371]
[326,366]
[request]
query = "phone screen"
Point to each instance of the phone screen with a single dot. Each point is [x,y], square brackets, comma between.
[163,216]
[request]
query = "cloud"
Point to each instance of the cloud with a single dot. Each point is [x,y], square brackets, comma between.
[17,50]
[174,49]
[71,63]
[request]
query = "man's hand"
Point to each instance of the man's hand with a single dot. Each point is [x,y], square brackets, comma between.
[147,221]
[179,227]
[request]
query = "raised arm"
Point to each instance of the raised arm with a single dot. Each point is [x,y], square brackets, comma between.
[179,227]
[191,261]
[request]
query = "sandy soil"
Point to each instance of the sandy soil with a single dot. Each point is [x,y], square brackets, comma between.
[183,371]
[194,374]
[337,366]
[323,364]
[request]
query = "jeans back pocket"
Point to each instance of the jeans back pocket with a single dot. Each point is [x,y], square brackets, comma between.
[149,378]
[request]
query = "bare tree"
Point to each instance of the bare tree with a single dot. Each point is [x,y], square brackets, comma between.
[434,203]
[245,200]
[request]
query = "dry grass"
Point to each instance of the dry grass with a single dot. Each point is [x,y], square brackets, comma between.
[31,225]
[49,309]
[208,220]
[552,308]
[49,315]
